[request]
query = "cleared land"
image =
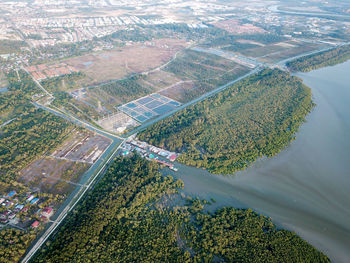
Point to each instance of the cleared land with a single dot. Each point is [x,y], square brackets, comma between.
[118,122]
[51,175]
[116,64]
[59,172]
[83,147]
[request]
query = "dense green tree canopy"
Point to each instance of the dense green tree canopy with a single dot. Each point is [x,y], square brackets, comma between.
[130,216]
[319,60]
[256,117]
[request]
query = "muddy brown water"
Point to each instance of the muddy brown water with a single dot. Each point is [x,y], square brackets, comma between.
[305,188]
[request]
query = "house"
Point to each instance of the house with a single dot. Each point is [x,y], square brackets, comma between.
[12,193]
[19,207]
[47,212]
[8,204]
[35,224]
[30,198]
[2,200]
[172,157]
[25,209]
[34,201]
[12,216]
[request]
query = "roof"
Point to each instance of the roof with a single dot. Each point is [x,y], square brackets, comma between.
[34,200]
[36,224]
[12,193]
[172,157]
[47,210]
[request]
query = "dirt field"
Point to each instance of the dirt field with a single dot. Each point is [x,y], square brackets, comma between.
[60,172]
[84,147]
[115,64]
[51,175]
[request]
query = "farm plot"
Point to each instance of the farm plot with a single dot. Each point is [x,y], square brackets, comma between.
[186,77]
[183,91]
[201,72]
[291,52]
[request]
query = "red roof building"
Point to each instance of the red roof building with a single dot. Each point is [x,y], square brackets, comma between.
[172,157]
[47,212]
[35,224]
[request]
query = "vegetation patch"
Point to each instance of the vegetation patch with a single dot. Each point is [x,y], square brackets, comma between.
[319,60]
[125,218]
[256,117]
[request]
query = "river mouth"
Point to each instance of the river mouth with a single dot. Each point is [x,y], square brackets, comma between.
[305,188]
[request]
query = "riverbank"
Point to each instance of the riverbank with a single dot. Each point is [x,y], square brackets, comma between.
[305,187]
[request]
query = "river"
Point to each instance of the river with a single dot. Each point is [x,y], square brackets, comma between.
[305,188]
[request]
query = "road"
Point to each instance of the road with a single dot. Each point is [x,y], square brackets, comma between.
[101,163]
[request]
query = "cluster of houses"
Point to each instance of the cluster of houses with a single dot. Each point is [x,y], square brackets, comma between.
[13,205]
[150,152]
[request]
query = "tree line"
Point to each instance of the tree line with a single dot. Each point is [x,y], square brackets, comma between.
[320,60]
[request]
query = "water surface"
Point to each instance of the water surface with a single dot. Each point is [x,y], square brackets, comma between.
[306,188]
